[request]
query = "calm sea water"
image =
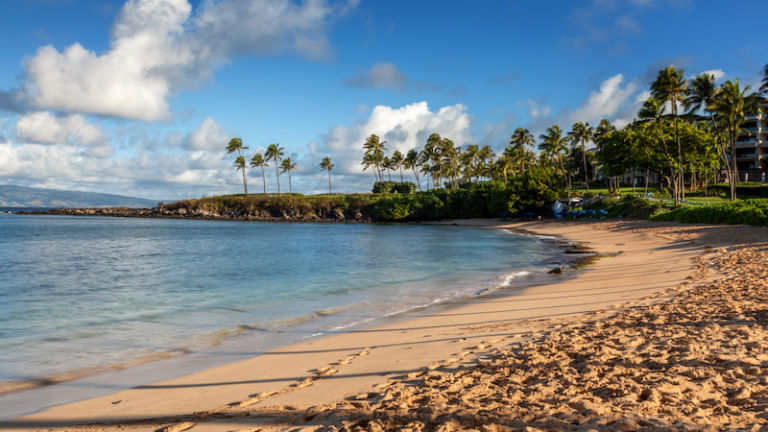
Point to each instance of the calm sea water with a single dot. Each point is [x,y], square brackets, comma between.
[79,293]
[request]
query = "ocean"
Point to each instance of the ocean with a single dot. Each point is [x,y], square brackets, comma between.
[79,295]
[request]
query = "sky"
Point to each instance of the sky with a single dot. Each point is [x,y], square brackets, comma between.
[140,97]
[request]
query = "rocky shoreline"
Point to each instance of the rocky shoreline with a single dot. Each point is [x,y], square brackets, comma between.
[335,215]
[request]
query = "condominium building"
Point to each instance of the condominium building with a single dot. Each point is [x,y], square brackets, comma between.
[752,147]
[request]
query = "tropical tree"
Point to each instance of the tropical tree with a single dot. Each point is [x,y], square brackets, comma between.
[240,166]
[520,140]
[470,161]
[396,162]
[652,112]
[369,160]
[581,133]
[451,163]
[411,162]
[258,161]
[701,95]
[327,165]
[387,165]
[486,155]
[374,146]
[670,86]
[236,145]
[275,152]
[601,131]
[554,145]
[430,158]
[287,166]
[732,104]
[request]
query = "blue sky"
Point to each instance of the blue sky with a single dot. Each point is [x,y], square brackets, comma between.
[140,97]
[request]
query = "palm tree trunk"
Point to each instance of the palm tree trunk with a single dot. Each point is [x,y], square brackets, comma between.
[647,173]
[416,174]
[401,174]
[330,192]
[290,185]
[277,175]
[263,180]
[681,185]
[584,159]
[735,168]
[245,184]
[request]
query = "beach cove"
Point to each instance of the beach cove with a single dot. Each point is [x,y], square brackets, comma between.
[425,372]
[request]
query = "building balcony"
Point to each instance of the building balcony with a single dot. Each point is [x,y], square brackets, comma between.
[748,156]
[748,143]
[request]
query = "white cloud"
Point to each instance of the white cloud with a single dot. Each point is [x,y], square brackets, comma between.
[403,128]
[73,130]
[209,135]
[158,46]
[607,102]
[718,73]
[381,75]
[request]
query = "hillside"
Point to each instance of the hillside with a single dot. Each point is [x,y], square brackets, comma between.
[19,196]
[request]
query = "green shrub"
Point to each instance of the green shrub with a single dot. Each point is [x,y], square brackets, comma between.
[394,187]
[749,212]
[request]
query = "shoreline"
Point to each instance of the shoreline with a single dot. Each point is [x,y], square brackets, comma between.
[165,360]
[181,404]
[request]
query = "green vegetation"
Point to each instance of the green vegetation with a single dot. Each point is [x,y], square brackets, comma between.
[749,212]
[394,187]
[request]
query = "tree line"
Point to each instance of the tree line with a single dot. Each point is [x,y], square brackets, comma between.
[686,132]
[274,152]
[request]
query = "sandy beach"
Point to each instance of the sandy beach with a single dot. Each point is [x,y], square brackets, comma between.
[665,332]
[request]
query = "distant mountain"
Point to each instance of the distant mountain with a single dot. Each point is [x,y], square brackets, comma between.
[18,196]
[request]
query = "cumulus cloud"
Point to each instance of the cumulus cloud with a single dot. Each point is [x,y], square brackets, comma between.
[158,46]
[381,75]
[73,130]
[606,102]
[403,128]
[718,73]
[209,135]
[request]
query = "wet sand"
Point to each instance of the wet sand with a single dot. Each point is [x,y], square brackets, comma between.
[664,333]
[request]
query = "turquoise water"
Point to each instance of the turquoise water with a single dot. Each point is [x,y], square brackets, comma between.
[79,293]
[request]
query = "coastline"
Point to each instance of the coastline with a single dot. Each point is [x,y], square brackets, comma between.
[327,369]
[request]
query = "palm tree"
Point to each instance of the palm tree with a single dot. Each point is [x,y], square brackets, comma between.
[733,104]
[327,165]
[240,166]
[396,161]
[369,160]
[470,160]
[601,131]
[670,86]
[581,133]
[275,152]
[555,144]
[701,95]
[450,156]
[387,165]
[376,147]
[288,166]
[486,155]
[258,161]
[520,140]
[411,162]
[236,145]
[431,157]
[653,111]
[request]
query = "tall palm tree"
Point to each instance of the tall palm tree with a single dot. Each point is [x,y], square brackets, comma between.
[258,161]
[601,131]
[275,152]
[376,147]
[486,155]
[387,165]
[287,166]
[396,161]
[470,159]
[236,145]
[701,95]
[582,133]
[554,144]
[450,157]
[240,166]
[653,111]
[521,139]
[670,86]
[327,165]
[411,162]
[733,104]
[431,155]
